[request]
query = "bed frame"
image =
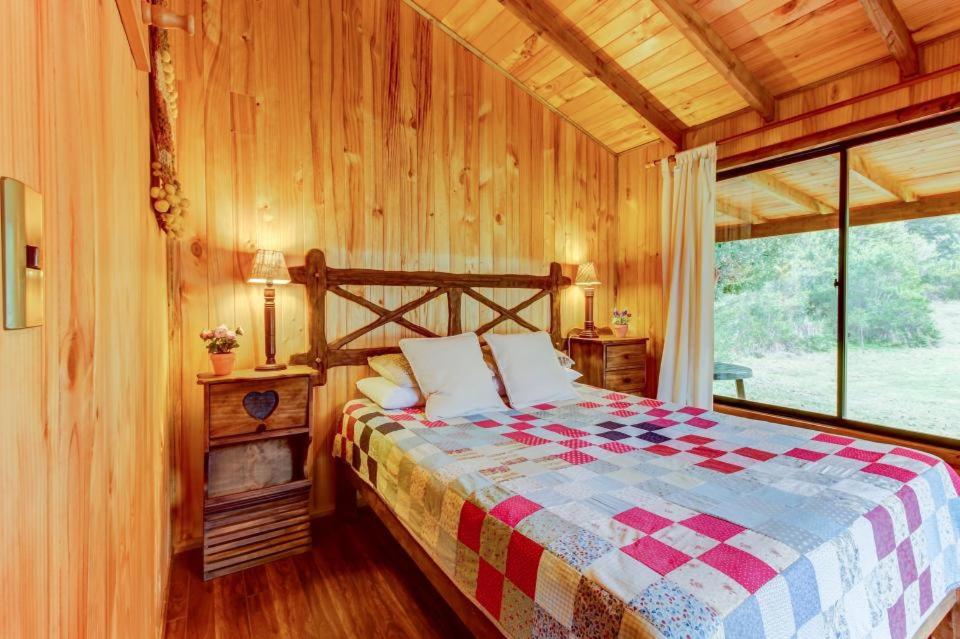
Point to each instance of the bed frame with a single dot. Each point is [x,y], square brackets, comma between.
[321,279]
[943,623]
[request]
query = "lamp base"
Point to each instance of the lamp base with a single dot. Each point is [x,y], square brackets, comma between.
[269,367]
[588,333]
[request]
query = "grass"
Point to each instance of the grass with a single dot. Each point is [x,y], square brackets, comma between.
[915,389]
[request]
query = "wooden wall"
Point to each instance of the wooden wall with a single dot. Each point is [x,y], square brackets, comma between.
[862,100]
[638,263]
[84,540]
[359,128]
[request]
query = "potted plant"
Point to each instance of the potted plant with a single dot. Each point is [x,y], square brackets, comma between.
[220,344]
[621,322]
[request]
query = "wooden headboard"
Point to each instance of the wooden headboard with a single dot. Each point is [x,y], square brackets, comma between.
[321,279]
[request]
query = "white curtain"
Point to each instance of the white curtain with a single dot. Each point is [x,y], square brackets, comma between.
[687,208]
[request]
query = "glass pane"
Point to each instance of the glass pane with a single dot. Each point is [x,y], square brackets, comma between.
[775,336]
[903,292]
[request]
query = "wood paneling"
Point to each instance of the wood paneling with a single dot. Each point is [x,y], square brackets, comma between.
[361,129]
[638,262]
[866,99]
[84,545]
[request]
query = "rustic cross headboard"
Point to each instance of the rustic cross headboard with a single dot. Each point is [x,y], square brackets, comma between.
[320,279]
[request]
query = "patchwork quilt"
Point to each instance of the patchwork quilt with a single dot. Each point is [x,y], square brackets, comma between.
[618,516]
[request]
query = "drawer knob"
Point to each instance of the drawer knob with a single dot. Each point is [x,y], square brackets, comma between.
[261,405]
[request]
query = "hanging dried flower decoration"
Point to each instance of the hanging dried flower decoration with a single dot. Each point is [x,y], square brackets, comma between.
[166,195]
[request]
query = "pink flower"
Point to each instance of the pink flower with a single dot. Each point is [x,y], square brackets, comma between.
[206,334]
[220,331]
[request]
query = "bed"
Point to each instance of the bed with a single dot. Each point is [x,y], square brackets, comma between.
[619,516]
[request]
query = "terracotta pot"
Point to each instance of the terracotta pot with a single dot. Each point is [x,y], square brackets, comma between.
[222,363]
[620,330]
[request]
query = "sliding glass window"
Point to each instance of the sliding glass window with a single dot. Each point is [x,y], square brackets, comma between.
[854,317]
[903,282]
[775,326]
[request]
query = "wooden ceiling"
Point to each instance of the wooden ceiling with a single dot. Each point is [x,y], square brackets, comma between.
[910,176]
[631,71]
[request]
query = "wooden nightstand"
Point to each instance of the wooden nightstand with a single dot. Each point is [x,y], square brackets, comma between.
[256,494]
[616,363]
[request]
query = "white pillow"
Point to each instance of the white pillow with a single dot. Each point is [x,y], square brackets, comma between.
[452,374]
[395,368]
[529,368]
[388,395]
[571,374]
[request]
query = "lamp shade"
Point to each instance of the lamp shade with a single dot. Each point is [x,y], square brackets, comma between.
[587,275]
[269,267]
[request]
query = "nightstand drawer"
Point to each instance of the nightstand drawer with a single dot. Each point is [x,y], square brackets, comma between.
[258,406]
[625,355]
[627,380]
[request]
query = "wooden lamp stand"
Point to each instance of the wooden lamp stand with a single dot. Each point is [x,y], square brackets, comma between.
[269,269]
[589,329]
[270,330]
[587,280]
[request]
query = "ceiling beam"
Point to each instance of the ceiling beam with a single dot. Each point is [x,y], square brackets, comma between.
[564,35]
[875,176]
[744,215]
[705,40]
[889,24]
[931,206]
[789,194]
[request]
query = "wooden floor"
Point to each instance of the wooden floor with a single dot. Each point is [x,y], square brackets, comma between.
[357,582]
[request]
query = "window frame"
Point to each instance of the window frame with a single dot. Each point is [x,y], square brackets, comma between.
[841,149]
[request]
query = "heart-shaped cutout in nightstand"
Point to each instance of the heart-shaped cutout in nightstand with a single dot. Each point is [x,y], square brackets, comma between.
[261,405]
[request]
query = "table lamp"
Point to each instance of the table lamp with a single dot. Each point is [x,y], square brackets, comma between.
[270,269]
[587,279]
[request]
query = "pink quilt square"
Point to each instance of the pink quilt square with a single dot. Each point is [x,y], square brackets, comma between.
[471,521]
[435,424]
[720,466]
[662,422]
[577,457]
[929,460]
[489,588]
[859,454]
[704,451]
[403,417]
[803,453]
[692,410]
[887,470]
[615,396]
[575,443]
[527,438]
[566,431]
[544,406]
[620,405]
[656,555]
[513,509]
[651,402]
[486,423]
[700,422]
[754,453]
[658,412]
[660,449]
[833,439]
[713,527]
[617,447]
[623,413]
[521,426]
[695,439]
[926,591]
[742,567]
[907,563]
[643,520]
[589,405]
[523,417]
[523,561]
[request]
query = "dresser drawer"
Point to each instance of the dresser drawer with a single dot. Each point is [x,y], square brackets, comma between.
[626,380]
[625,356]
[257,406]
